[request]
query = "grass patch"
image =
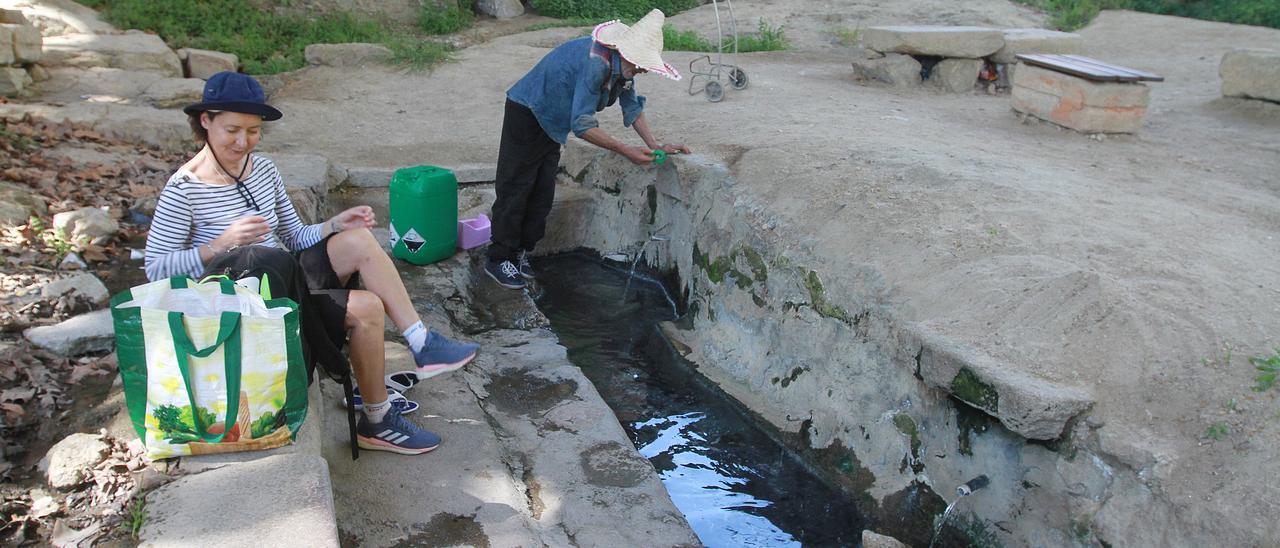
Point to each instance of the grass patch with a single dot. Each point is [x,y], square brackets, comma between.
[135,516]
[1268,369]
[267,43]
[604,10]
[766,38]
[448,17]
[1074,14]
[1217,431]
[418,54]
[848,37]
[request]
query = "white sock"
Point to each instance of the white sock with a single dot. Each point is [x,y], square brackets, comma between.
[377,411]
[416,336]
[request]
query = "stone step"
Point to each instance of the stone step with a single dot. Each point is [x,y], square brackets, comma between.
[133,50]
[362,176]
[165,129]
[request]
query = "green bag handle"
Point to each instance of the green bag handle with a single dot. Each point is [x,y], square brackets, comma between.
[228,333]
[180,282]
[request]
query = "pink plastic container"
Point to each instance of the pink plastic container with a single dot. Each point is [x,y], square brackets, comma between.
[473,232]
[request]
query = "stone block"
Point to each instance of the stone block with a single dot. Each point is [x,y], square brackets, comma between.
[943,41]
[956,75]
[85,224]
[6,41]
[1079,104]
[13,80]
[12,17]
[28,44]
[1252,73]
[346,55]
[66,463]
[894,69]
[1027,405]
[872,540]
[202,63]
[130,51]
[502,9]
[306,181]
[85,285]
[18,203]
[174,92]
[92,332]
[292,505]
[38,73]
[1036,41]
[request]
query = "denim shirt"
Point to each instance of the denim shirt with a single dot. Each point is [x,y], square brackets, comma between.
[566,89]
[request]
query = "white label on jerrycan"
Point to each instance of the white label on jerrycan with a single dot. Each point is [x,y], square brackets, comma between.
[395,236]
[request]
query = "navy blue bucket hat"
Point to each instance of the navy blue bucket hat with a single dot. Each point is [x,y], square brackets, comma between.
[234,92]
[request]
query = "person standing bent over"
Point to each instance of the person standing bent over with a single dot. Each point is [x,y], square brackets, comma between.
[562,93]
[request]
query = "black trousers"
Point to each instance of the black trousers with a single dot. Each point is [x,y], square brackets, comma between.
[525,183]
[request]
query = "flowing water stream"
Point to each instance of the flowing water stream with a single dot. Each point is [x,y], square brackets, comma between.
[735,482]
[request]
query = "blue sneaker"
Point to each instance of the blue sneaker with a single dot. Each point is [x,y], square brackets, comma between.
[506,273]
[440,355]
[395,434]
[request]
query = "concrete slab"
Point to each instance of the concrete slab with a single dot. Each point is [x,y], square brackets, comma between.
[385,499]
[280,500]
[943,41]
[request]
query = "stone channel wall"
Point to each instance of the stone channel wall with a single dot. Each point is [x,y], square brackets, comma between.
[885,407]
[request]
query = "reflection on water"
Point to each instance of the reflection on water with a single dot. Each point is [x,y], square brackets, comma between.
[735,484]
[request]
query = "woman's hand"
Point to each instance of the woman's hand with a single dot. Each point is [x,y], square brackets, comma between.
[674,148]
[243,231]
[356,217]
[638,155]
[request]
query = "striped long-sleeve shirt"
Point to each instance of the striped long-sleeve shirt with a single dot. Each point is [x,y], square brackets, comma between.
[191,213]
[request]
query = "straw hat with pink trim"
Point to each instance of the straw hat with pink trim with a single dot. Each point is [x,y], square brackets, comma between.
[641,43]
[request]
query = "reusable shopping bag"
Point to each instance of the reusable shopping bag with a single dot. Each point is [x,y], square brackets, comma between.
[209,367]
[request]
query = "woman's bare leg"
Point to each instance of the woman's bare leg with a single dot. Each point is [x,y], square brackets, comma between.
[368,355]
[354,251]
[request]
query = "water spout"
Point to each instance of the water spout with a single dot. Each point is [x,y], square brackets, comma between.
[635,263]
[965,489]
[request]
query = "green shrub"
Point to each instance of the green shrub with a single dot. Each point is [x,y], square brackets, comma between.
[1074,14]
[610,9]
[684,40]
[446,16]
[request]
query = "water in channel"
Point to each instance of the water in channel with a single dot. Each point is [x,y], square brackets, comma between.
[736,484]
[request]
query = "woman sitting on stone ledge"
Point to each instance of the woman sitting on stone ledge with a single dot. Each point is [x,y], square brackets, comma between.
[227,202]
